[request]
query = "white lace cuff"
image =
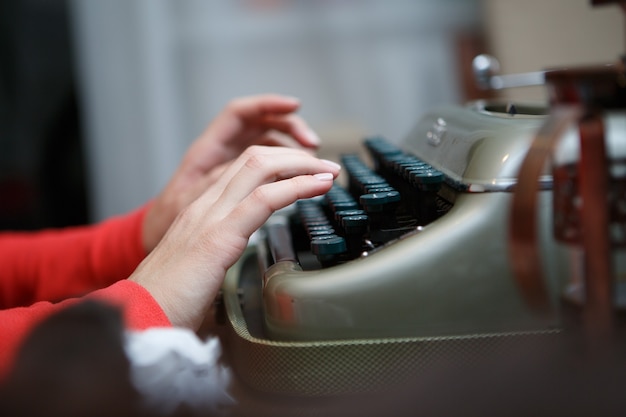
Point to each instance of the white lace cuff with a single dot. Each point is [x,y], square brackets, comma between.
[173,369]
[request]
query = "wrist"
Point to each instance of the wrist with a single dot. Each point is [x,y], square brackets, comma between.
[151,232]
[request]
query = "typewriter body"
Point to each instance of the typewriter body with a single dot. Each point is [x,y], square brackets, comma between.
[402,272]
[405,280]
[432,263]
[427,281]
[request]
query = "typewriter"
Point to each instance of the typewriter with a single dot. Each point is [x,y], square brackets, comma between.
[403,269]
[400,270]
[400,264]
[414,243]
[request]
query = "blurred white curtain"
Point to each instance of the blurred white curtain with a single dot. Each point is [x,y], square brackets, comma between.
[154,72]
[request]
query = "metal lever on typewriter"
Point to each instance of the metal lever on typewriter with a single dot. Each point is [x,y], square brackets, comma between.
[588,195]
[486,72]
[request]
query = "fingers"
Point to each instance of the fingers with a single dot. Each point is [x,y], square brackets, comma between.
[275,138]
[294,126]
[256,120]
[184,272]
[259,184]
[256,106]
[261,165]
[274,112]
[258,206]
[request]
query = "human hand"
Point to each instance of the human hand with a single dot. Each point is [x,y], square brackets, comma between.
[256,120]
[186,269]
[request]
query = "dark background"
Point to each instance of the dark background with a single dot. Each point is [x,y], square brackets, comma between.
[42,173]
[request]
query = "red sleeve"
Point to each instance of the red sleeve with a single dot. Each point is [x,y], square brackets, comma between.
[55,264]
[140,310]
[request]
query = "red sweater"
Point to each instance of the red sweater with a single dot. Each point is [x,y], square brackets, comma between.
[42,272]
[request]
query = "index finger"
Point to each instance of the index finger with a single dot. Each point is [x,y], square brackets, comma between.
[261,105]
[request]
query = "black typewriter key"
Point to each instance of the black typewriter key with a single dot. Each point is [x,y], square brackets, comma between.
[305,205]
[311,212]
[427,181]
[355,228]
[337,194]
[318,232]
[318,225]
[355,223]
[375,189]
[328,249]
[344,213]
[380,149]
[310,206]
[314,220]
[344,205]
[408,189]
[381,210]
[328,245]
[408,170]
[321,221]
[379,202]
[371,179]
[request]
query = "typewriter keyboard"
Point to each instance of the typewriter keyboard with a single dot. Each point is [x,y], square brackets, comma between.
[397,195]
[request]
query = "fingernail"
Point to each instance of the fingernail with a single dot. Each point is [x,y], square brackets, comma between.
[312,137]
[331,163]
[325,176]
[291,98]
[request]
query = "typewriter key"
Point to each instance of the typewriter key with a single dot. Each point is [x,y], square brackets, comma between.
[328,249]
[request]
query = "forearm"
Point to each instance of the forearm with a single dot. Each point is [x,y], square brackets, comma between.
[140,311]
[52,265]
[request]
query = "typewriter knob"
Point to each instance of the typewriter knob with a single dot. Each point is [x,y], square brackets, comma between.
[485,67]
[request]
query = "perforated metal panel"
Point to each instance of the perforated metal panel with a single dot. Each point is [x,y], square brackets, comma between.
[347,367]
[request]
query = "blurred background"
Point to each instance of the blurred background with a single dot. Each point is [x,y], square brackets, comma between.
[100,99]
